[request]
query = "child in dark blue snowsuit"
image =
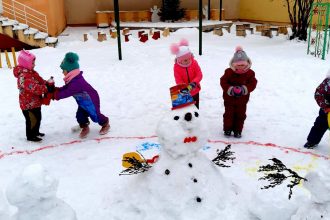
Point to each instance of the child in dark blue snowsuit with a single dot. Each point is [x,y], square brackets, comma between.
[322,97]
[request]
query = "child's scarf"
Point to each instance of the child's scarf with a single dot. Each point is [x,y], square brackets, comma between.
[72,74]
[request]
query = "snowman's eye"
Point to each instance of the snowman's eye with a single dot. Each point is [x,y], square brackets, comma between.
[176,118]
[196,114]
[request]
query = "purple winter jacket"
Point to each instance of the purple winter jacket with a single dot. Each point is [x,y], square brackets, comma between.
[85,95]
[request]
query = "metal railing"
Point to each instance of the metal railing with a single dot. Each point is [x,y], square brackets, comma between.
[25,14]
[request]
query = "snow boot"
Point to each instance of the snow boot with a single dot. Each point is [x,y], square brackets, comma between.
[237,134]
[84,132]
[105,129]
[34,139]
[227,133]
[40,134]
[310,145]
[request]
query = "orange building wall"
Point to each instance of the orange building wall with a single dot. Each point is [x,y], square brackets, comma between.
[264,10]
[73,8]
[53,9]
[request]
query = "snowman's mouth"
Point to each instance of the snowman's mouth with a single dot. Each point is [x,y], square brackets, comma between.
[190,139]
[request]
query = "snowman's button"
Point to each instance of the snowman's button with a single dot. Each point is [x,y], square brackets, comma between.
[189,164]
[195,180]
[198,199]
[167,172]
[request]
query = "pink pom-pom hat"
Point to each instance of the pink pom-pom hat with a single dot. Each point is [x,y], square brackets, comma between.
[25,59]
[181,48]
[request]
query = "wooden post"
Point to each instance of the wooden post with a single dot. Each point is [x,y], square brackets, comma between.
[113,33]
[166,32]
[14,55]
[8,60]
[99,37]
[85,37]
[125,31]
[218,31]
[0,60]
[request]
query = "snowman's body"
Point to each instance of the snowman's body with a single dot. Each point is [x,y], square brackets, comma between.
[184,184]
[319,205]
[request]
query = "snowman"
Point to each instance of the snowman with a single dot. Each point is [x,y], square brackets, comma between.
[154,16]
[183,184]
[33,192]
[206,12]
[319,205]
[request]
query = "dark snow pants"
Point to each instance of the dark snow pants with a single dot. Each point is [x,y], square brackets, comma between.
[196,99]
[234,116]
[32,122]
[319,128]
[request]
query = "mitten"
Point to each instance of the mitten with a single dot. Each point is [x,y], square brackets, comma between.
[50,84]
[46,99]
[327,110]
[237,91]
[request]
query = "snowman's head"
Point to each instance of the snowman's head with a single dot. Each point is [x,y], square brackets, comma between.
[32,185]
[181,132]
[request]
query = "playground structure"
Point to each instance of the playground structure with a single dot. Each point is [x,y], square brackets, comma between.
[8,59]
[318,31]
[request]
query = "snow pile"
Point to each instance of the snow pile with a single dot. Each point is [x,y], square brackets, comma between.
[33,192]
[4,208]
[318,184]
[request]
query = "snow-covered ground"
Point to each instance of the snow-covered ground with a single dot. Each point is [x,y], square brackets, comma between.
[135,95]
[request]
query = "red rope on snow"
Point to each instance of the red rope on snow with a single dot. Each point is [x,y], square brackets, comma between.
[285,149]
[98,140]
[2,155]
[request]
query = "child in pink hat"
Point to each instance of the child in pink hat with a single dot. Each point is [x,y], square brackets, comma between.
[237,83]
[186,69]
[31,90]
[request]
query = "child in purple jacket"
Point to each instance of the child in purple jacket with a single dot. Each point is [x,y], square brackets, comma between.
[85,95]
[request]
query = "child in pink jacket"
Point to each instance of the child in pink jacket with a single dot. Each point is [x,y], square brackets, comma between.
[186,69]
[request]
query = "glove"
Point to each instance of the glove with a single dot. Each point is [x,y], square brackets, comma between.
[327,99]
[193,85]
[184,91]
[237,91]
